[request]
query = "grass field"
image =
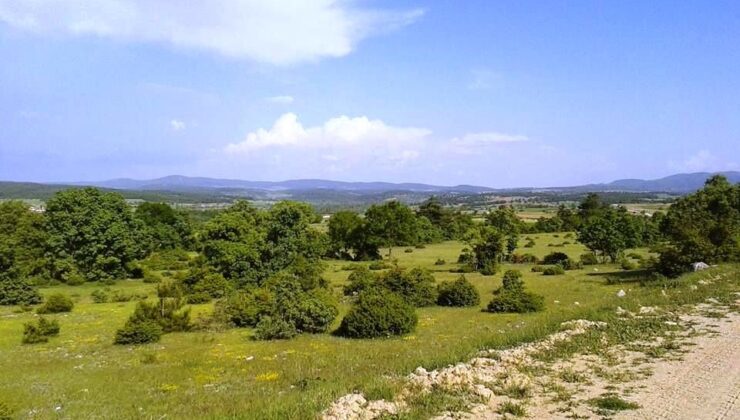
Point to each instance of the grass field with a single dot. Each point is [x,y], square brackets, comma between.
[211,374]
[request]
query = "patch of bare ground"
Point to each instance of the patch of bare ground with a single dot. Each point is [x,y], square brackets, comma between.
[648,364]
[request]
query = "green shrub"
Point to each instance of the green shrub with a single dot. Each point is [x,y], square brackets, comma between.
[672,263]
[212,284]
[100,296]
[151,277]
[626,264]
[358,280]
[139,332]
[538,268]
[512,280]
[56,303]
[310,312]
[458,293]
[415,285]
[511,297]
[378,313]
[553,258]
[172,259]
[135,270]
[197,298]
[120,296]
[15,291]
[315,313]
[570,264]
[489,268]
[269,328]
[40,331]
[245,307]
[516,302]
[167,314]
[378,265]
[524,259]
[553,270]
[440,261]
[589,258]
[408,250]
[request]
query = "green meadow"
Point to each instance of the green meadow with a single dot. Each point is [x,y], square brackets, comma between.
[216,374]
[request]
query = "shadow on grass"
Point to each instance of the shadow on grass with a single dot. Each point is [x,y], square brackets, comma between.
[620,277]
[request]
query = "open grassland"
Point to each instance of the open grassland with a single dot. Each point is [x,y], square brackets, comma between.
[81,374]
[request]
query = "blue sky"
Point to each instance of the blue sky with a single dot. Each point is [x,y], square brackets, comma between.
[496,93]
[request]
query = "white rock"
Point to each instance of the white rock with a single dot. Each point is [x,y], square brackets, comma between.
[621,293]
[699,266]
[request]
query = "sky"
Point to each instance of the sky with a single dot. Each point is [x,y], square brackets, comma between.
[483,92]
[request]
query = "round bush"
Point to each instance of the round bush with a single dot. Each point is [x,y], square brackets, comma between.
[139,332]
[458,293]
[14,291]
[100,296]
[270,328]
[513,280]
[553,270]
[40,331]
[245,307]
[416,285]
[56,303]
[359,279]
[516,302]
[555,258]
[378,313]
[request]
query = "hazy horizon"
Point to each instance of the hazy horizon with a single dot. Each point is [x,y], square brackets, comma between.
[493,94]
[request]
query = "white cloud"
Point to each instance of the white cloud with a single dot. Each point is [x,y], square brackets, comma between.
[345,140]
[473,142]
[268,31]
[704,161]
[177,125]
[281,99]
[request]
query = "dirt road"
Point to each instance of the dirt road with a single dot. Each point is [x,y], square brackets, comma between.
[704,385]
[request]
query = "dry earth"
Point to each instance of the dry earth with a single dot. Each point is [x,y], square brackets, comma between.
[692,372]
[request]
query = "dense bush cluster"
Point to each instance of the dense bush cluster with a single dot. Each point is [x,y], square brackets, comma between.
[378,312]
[281,301]
[512,297]
[458,293]
[415,286]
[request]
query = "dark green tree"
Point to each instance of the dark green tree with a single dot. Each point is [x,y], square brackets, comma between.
[390,224]
[704,226]
[94,233]
[167,228]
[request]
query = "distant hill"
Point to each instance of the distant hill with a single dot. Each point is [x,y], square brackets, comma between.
[679,183]
[338,194]
[178,182]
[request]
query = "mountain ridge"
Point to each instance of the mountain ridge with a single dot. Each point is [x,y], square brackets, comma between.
[676,183]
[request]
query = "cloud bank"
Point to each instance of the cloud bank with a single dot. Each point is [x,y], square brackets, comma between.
[351,141]
[268,31]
